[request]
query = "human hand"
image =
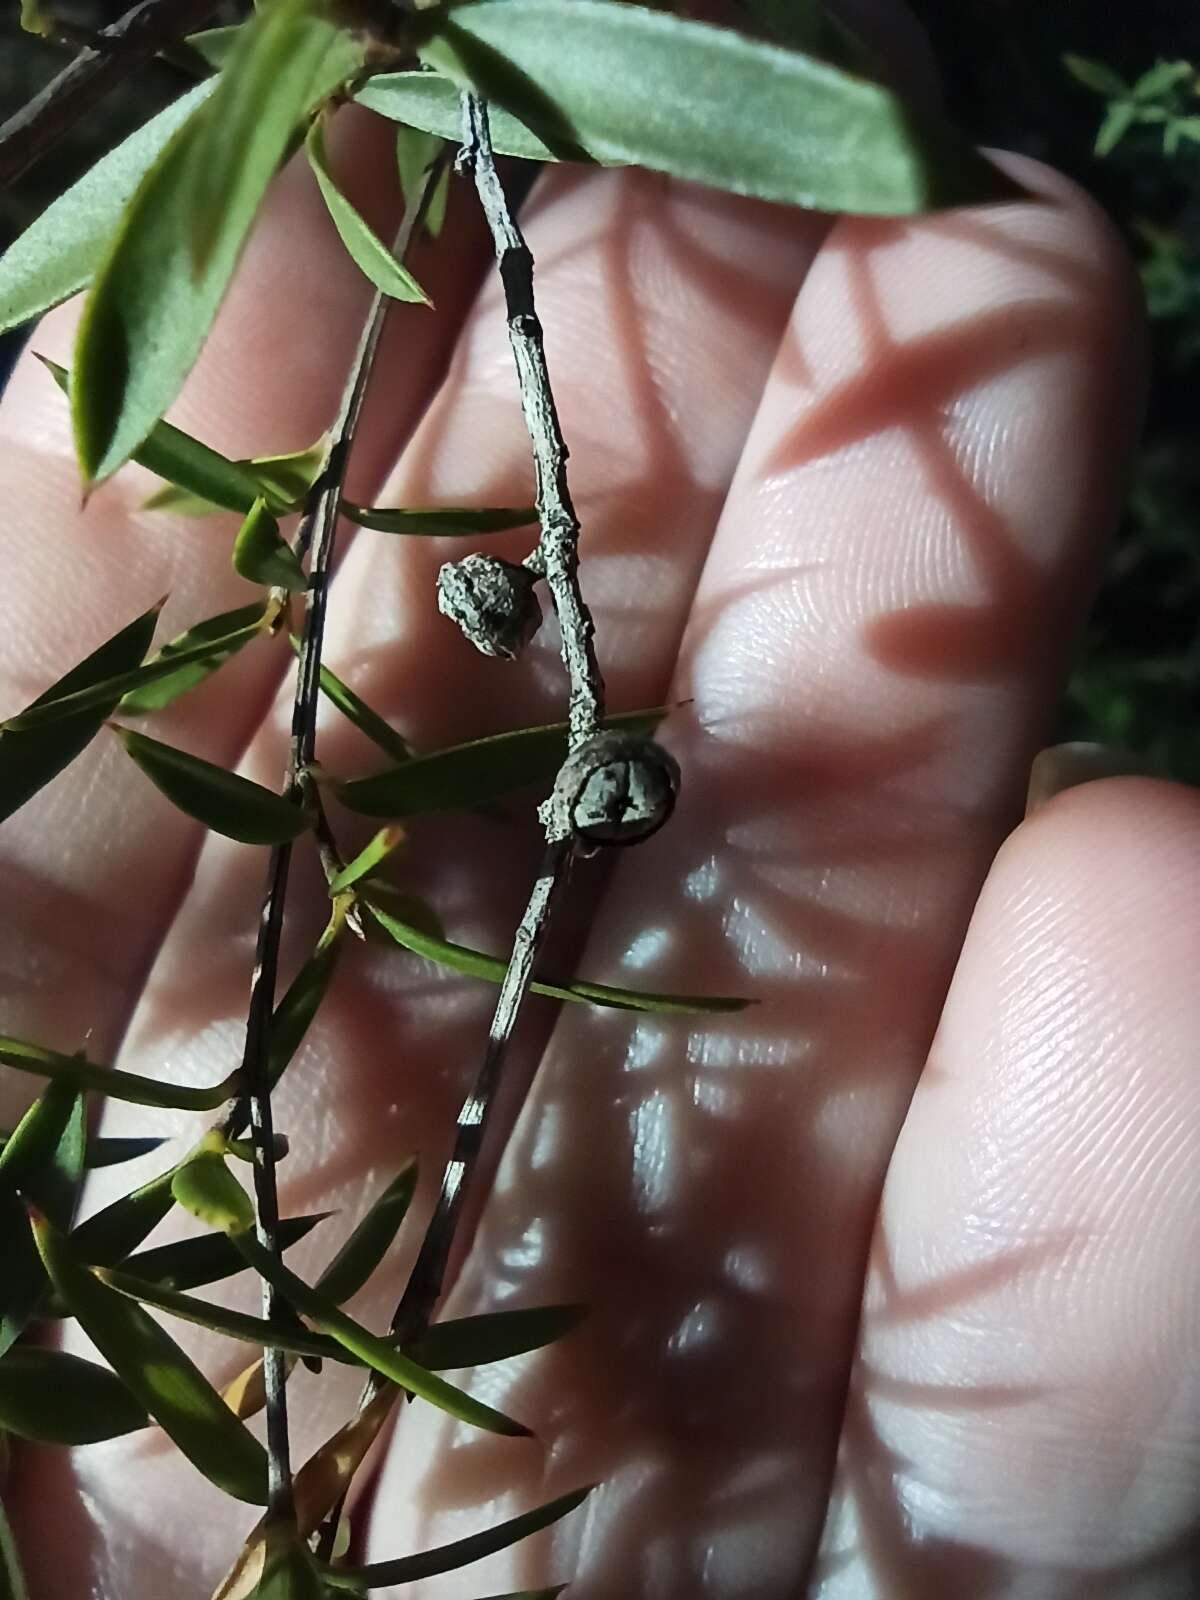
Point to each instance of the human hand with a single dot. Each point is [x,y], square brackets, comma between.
[854,532]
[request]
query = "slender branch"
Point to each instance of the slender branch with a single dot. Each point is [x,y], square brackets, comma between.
[558,548]
[316,541]
[117,52]
[558,558]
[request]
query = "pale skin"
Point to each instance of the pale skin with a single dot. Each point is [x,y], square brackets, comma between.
[881,1304]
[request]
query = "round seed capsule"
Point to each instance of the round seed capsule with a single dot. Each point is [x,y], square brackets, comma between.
[492,601]
[618,789]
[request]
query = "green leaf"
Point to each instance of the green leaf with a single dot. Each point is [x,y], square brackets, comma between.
[415,154]
[359,713]
[111,1152]
[295,1012]
[281,480]
[459,958]
[12,1579]
[216,45]
[293,1339]
[194,655]
[55,1398]
[84,1074]
[201,658]
[219,799]
[1095,75]
[44,1158]
[1161,78]
[150,309]
[158,1373]
[370,1349]
[366,249]
[709,105]
[439,522]
[263,555]
[23,1280]
[427,102]
[449,1557]
[110,1234]
[187,463]
[58,253]
[495,1336]
[1118,120]
[367,859]
[209,1258]
[28,761]
[206,1187]
[467,775]
[34,20]
[370,1241]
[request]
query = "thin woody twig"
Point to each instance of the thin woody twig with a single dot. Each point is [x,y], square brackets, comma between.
[559,559]
[316,541]
[117,51]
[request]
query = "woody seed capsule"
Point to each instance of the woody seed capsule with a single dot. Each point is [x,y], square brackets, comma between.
[618,789]
[492,601]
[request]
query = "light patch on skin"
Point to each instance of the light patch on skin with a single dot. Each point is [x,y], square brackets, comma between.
[718,1099]
[702,882]
[747,1268]
[525,1254]
[646,1045]
[733,1052]
[647,947]
[698,1328]
[546,1144]
[654,1124]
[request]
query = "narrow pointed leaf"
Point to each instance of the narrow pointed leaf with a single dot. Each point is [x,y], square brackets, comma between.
[30,760]
[449,1557]
[158,1374]
[296,1340]
[12,1579]
[55,1398]
[186,661]
[620,83]
[468,775]
[281,480]
[415,154]
[439,200]
[439,522]
[367,859]
[23,1279]
[495,1336]
[372,1350]
[459,958]
[44,1158]
[59,252]
[150,310]
[263,555]
[366,249]
[221,800]
[152,680]
[109,1235]
[294,1013]
[360,714]
[112,1152]
[32,1058]
[184,461]
[1096,76]
[432,103]
[370,1241]
[206,1187]
[192,1263]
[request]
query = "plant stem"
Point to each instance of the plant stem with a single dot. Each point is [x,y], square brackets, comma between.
[119,50]
[316,541]
[558,548]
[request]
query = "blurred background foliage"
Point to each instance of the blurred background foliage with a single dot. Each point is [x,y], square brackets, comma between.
[1047,77]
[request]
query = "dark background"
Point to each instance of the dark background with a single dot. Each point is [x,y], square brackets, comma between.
[1137,677]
